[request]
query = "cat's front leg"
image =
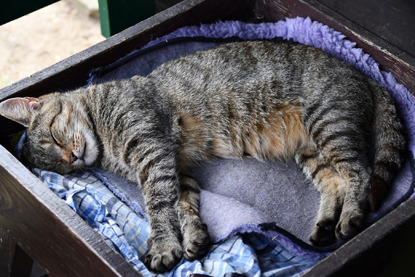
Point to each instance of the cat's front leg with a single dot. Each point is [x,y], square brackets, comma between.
[196,241]
[160,185]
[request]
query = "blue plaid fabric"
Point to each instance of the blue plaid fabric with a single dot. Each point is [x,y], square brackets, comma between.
[126,231]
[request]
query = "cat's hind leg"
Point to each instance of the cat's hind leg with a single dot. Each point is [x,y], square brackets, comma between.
[347,153]
[331,187]
[196,241]
[355,203]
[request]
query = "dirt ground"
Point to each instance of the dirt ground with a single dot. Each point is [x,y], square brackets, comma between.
[43,38]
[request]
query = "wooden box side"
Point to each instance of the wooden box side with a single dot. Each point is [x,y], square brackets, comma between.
[72,72]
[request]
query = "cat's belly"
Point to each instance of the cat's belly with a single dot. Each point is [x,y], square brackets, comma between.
[274,136]
[278,135]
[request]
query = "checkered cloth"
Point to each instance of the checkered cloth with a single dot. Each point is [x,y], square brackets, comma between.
[126,231]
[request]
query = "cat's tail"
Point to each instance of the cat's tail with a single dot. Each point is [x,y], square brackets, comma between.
[389,146]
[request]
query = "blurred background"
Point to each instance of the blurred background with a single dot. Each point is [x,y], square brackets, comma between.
[46,36]
[39,39]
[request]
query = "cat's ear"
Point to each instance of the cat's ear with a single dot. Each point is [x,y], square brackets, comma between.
[20,110]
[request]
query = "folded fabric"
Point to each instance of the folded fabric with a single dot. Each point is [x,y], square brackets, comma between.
[259,214]
[126,230]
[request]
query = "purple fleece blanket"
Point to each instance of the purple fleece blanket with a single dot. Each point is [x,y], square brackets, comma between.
[272,198]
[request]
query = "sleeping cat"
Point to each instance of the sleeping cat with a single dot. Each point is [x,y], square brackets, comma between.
[260,99]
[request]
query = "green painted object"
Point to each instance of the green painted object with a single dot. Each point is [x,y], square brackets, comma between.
[117,15]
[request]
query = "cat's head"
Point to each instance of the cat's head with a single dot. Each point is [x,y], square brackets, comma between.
[60,136]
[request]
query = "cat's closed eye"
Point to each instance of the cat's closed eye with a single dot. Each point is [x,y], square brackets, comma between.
[56,141]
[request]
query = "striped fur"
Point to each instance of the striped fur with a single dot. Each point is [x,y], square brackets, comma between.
[261,99]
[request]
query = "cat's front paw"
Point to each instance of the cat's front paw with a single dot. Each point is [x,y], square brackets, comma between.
[349,224]
[196,242]
[164,254]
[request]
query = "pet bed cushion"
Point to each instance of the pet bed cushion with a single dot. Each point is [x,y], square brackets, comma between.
[259,214]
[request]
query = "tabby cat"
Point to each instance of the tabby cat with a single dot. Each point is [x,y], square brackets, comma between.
[261,99]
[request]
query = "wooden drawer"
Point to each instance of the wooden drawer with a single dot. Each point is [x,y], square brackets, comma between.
[63,244]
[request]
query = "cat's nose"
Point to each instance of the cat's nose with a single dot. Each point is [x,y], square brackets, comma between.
[72,158]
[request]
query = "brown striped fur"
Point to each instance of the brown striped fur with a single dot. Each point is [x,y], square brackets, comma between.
[261,99]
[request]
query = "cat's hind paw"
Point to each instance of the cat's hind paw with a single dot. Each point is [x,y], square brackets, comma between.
[164,255]
[323,233]
[349,224]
